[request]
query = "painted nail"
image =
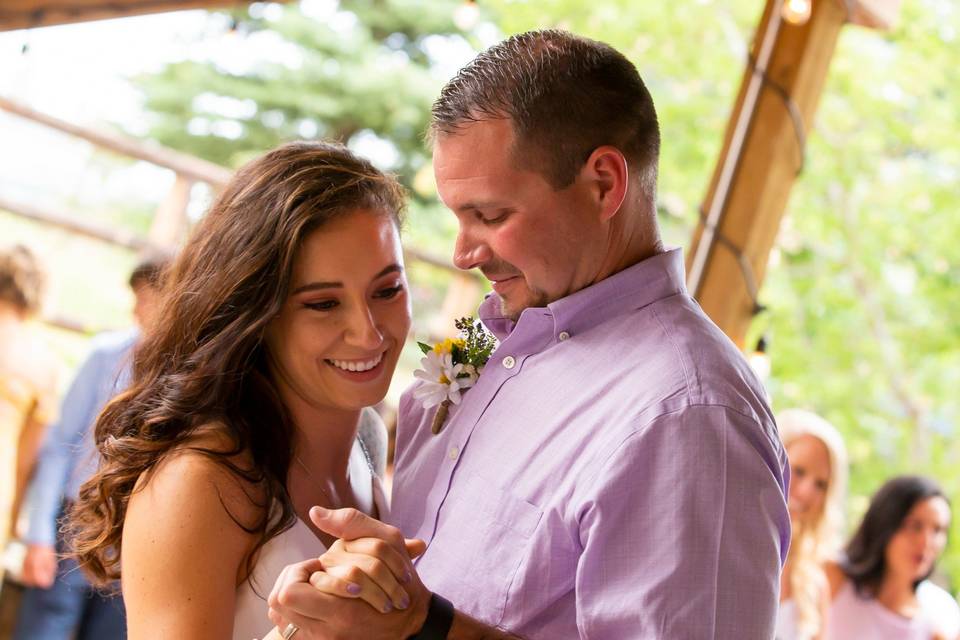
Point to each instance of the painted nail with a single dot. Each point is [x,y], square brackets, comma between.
[404,602]
[407,576]
[387,608]
[353,588]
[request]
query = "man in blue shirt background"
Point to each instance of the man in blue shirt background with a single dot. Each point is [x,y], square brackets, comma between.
[59,603]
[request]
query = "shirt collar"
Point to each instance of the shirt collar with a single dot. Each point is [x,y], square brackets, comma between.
[637,286]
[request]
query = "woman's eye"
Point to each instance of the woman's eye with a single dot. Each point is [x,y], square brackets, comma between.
[799,472]
[390,292]
[322,305]
[822,486]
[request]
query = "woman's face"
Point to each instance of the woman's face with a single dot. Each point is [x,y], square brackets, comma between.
[920,540]
[809,478]
[337,339]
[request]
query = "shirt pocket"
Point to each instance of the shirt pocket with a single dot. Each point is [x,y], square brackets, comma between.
[484,533]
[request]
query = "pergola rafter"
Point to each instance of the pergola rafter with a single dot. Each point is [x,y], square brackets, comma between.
[27,14]
[763,152]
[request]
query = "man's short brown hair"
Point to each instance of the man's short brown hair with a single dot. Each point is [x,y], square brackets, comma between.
[150,270]
[565,95]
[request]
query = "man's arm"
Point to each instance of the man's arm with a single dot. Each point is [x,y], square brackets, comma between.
[682,529]
[322,616]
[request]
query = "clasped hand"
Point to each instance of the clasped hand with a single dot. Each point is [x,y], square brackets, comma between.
[364,585]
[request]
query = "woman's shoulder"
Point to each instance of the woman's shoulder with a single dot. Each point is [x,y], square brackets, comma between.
[188,531]
[204,477]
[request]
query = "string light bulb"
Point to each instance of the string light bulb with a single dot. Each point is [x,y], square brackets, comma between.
[466,15]
[796,12]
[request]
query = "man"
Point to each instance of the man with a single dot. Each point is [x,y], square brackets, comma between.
[60,603]
[615,472]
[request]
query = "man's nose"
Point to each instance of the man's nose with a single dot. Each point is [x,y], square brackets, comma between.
[470,252]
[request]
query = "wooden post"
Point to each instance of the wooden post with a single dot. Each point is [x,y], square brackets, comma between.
[463,295]
[762,154]
[170,221]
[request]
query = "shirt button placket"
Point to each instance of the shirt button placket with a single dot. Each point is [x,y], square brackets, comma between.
[509,362]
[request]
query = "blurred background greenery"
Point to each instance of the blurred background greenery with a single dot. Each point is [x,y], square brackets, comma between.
[861,293]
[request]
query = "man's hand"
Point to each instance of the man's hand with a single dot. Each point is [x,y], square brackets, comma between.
[39,566]
[354,586]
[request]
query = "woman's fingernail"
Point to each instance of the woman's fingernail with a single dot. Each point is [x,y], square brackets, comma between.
[404,602]
[353,588]
[407,576]
[387,608]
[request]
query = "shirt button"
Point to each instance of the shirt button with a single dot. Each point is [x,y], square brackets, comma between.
[509,362]
[454,452]
[564,335]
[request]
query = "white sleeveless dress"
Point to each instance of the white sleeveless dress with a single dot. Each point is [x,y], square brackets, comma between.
[296,544]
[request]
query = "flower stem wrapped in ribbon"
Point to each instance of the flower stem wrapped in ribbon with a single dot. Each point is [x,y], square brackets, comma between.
[451,367]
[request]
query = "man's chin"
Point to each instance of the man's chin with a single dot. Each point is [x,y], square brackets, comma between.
[512,307]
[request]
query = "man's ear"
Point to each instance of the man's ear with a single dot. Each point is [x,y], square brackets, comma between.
[608,175]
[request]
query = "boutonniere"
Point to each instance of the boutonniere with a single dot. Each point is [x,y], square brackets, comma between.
[451,367]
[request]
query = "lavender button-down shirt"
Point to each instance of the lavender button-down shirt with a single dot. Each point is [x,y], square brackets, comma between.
[615,473]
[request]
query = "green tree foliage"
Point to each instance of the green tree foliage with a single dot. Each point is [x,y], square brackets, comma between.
[360,69]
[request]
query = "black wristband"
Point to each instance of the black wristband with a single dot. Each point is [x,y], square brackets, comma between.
[438,622]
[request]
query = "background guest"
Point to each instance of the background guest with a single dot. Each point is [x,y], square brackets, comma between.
[818,479]
[60,604]
[880,590]
[28,380]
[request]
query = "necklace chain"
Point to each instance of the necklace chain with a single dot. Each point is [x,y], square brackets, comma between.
[333,503]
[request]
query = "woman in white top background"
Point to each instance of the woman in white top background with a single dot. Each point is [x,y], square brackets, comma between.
[881,589]
[818,479]
[283,319]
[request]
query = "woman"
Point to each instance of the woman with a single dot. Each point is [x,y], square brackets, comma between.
[880,589]
[818,478]
[282,320]
[28,381]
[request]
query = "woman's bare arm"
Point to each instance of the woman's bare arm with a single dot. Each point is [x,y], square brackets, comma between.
[182,551]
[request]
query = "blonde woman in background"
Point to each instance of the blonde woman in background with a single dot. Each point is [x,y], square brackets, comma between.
[818,479]
[28,380]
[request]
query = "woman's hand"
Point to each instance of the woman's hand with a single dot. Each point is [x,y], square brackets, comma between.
[369,569]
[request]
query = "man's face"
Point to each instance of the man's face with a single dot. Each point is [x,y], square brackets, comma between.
[145,306]
[534,243]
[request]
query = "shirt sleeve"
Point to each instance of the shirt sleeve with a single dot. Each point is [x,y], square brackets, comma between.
[45,409]
[683,530]
[57,455]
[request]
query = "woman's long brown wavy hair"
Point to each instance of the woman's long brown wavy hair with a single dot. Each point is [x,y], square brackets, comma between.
[204,363]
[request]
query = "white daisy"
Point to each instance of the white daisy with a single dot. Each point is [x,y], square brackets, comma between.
[441,379]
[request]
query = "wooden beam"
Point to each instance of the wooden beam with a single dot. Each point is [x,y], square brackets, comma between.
[183,164]
[74,223]
[27,14]
[761,156]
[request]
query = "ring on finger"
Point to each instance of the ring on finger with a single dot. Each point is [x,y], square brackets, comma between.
[289,631]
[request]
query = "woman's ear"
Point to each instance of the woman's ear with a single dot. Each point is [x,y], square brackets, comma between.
[607,173]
